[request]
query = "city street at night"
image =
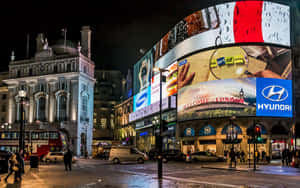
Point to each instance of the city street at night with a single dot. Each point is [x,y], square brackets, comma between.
[101,173]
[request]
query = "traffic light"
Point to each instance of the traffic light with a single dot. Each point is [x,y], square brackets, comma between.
[257,133]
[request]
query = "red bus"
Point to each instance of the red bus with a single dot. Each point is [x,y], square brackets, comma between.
[37,142]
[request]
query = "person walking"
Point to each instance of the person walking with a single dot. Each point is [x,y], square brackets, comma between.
[263,156]
[232,157]
[12,162]
[283,157]
[68,160]
[242,156]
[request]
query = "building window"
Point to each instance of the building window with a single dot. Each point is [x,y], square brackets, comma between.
[18,73]
[3,96]
[95,120]
[41,109]
[103,123]
[55,69]
[30,72]
[62,108]
[3,108]
[68,67]
[3,119]
[84,109]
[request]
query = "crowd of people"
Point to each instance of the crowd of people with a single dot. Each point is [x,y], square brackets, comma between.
[240,156]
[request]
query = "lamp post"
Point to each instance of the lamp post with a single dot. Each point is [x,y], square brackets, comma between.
[22,96]
[159,137]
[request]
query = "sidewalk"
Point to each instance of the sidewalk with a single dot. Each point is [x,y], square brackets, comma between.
[272,168]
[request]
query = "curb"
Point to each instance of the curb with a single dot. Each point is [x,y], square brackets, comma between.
[229,169]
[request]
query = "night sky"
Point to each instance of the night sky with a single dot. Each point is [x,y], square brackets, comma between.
[119,28]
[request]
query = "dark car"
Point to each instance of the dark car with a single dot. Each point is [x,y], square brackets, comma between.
[173,155]
[4,157]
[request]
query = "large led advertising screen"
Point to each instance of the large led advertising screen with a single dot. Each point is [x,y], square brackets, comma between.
[223,56]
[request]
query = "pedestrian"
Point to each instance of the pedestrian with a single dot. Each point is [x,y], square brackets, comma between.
[68,160]
[263,155]
[237,154]
[225,154]
[289,157]
[12,162]
[283,156]
[232,157]
[242,156]
[258,156]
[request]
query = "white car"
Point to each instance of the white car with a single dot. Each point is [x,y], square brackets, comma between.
[54,157]
[126,154]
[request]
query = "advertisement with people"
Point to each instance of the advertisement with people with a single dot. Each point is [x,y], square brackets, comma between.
[143,72]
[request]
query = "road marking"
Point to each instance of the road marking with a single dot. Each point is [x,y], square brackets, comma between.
[201,182]
[38,178]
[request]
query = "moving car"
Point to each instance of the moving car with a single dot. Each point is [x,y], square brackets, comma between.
[120,154]
[57,157]
[173,155]
[206,156]
[54,157]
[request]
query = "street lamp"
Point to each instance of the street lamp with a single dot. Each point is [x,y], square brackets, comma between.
[22,96]
[159,137]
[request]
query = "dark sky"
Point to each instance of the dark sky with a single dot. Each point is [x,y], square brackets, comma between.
[119,28]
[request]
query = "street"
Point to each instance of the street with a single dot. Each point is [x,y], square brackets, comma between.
[101,173]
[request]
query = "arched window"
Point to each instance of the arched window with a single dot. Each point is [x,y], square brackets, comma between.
[41,109]
[62,108]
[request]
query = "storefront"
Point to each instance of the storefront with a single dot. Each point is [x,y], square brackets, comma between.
[207,139]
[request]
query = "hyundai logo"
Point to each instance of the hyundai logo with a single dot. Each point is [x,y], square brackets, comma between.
[275,93]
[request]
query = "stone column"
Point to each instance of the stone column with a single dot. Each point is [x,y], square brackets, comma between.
[52,103]
[11,105]
[219,143]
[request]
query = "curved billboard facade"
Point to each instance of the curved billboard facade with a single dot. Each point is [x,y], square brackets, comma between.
[233,59]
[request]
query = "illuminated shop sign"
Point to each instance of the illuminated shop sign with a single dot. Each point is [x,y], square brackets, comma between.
[274,97]
[153,108]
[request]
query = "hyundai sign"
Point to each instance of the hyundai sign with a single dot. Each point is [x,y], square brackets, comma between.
[274,97]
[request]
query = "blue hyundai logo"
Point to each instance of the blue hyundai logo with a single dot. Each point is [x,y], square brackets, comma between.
[275,93]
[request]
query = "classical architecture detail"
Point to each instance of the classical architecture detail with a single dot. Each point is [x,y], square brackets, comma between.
[59,81]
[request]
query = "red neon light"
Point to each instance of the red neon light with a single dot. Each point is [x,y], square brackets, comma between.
[247,21]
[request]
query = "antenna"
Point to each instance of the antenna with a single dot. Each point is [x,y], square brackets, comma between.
[27,46]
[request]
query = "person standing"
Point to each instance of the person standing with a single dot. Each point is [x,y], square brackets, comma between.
[68,160]
[263,156]
[232,157]
[242,156]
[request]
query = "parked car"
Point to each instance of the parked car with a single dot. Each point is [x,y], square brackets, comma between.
[54,157]
[173,155]
[120,154]
[206,156]
[4,157]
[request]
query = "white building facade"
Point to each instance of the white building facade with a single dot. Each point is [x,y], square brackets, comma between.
[59,82]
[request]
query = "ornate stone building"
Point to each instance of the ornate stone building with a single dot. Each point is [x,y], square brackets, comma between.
[59,81]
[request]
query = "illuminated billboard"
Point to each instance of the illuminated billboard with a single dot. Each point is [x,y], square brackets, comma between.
[142,99]
[142,73]
[235,62]
[236,97]
[228,23]
[196,53]
[235,81]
